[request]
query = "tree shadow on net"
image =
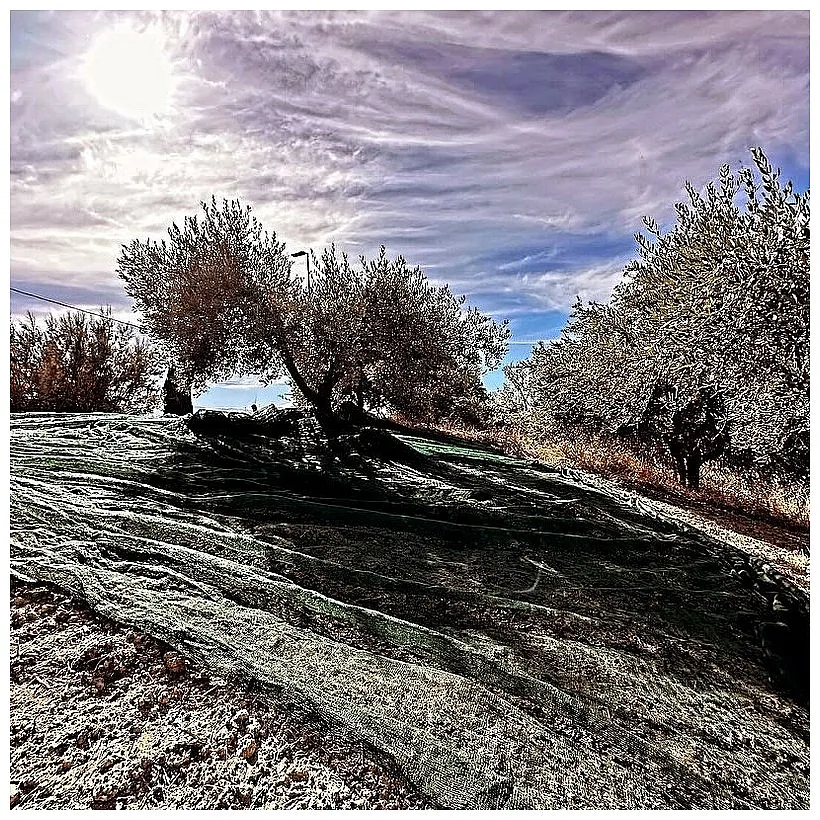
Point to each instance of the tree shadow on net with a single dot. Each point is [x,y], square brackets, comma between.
[538,563]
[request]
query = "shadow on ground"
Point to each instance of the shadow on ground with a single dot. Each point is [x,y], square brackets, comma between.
[680,661]
[465,540]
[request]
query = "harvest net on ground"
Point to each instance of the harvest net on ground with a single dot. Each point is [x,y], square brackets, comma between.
[514,636]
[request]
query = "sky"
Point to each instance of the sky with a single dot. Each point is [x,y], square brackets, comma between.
[510,154]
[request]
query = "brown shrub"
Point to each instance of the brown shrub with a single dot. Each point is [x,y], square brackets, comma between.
[80,363]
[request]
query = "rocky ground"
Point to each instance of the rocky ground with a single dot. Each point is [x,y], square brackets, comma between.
[104,717]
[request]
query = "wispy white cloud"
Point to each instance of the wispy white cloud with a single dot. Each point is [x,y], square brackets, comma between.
[555,290]
[487,146]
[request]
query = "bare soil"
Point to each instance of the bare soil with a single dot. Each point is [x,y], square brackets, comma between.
[108,718]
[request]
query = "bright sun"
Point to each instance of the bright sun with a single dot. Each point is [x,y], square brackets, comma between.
[129,72]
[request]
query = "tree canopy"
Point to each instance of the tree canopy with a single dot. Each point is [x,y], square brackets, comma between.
[219,295]
[707,332]
[78,363]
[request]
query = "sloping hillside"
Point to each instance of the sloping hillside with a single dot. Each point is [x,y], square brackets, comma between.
[513,636]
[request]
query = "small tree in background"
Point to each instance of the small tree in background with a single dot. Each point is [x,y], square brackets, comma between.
[80,363]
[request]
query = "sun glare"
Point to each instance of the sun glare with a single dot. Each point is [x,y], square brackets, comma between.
[129,72]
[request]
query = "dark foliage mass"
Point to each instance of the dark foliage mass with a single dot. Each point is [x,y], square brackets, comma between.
[220,296]
[176,394]
[80,363]
[703,349]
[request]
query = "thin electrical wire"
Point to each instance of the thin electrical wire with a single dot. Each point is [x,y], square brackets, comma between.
[74,307]
[129,324]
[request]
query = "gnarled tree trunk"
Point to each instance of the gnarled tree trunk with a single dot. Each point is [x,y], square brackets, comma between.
[176,394]
[698,434]
[693,432]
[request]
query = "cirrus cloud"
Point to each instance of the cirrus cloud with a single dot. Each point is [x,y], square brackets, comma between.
[509,153]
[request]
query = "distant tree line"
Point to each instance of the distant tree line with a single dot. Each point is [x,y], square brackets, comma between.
[703,349]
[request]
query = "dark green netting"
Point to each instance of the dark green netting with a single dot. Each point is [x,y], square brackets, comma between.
[514,636]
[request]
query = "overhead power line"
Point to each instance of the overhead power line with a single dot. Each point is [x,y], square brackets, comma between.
[137,327]
[74,307]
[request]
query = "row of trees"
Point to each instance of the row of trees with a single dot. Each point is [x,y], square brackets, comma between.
[702,351]
[703,348]
[219,297]
[80,363]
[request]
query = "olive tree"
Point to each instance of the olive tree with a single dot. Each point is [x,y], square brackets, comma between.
[424,353]
[217,295]
[704,344]
[220,297]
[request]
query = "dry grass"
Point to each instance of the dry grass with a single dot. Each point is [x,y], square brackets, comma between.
[781,502]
